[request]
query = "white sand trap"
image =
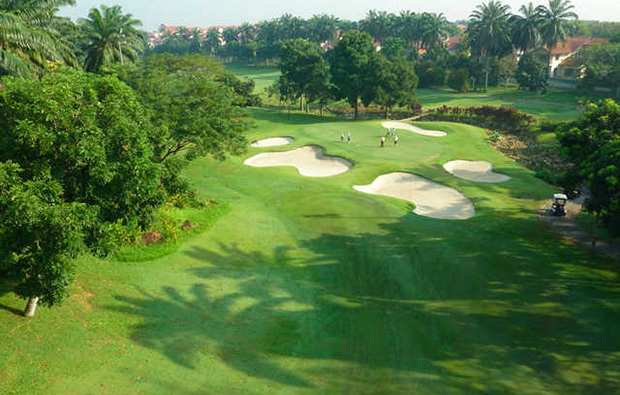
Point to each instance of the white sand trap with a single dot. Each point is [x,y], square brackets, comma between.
[310,161]
[273,142]
[413,128]
[431,199]
[477,171]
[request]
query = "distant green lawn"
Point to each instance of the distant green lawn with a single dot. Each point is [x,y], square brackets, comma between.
[307,286]
[264,76]
[555,105]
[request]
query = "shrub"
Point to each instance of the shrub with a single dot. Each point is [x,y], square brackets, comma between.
[501,118]
[459,80]
[429,74]
[531,73]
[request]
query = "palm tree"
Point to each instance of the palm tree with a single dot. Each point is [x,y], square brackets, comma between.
[212,40]
[489,30]
[323,28]
[111,37]
[408,26]
[557,22]
[378,24]
[526,28]
[489,33]
[434,29]
[247,33]
[230,34]
[31,36]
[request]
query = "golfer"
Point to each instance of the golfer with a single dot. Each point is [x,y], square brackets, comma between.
[349,137]
[395,139]
[382,141]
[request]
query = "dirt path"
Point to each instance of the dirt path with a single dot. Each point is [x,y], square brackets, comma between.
[568,228]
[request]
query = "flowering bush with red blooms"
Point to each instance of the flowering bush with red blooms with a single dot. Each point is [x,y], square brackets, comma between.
[500,118]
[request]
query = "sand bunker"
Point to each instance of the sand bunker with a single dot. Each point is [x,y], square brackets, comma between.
[477,171]
[413,128]
[431,199]
[310,161]
[273,142]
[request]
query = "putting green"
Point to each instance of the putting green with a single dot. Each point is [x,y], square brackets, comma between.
[307,286]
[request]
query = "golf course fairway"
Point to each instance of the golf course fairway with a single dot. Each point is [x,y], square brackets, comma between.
[307,286]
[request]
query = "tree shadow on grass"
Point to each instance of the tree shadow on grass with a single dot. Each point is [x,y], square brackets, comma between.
[6,286]
[403,310]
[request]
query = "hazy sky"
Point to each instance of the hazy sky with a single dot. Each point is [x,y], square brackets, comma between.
[205,13]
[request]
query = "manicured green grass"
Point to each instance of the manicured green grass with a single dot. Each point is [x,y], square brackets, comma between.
[555,105]
[264,76]
[308,286]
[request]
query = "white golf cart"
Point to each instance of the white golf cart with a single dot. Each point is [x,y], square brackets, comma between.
[559,204]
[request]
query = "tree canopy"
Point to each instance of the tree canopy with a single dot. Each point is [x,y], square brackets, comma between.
[351,66]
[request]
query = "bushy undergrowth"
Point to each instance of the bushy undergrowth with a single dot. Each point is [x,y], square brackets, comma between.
[169,225]
[507,119]
[343,109]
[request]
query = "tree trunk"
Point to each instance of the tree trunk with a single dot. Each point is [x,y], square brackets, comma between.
[356,109]
[301,103]
[31,307]
[486,80]
[387,112]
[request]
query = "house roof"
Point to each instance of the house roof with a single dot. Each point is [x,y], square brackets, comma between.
[453,42]
[572,44]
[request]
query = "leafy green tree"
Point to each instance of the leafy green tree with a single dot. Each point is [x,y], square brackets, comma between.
[507,67]
[602,66]
[111,37]
[592,143]
[430,74]
[193,109]
[351,67]
[459,80]
[31,34]
[394,48]
[89,134]
[303,67]
[531,74]
[557,23]
[41,234]
[396,82]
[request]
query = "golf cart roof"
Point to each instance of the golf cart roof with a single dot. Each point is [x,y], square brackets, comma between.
[559,196]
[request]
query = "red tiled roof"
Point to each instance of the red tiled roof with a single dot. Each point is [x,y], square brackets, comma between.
[453,42]
[572,44]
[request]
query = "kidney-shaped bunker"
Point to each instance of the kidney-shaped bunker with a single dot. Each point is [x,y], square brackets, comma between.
[309,161]
[431,199]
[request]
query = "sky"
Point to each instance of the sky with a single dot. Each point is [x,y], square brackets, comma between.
[205,13]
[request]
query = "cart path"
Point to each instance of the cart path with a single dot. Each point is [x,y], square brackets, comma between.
[568,228]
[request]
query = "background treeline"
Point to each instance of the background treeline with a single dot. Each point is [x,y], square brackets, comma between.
[491,34]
